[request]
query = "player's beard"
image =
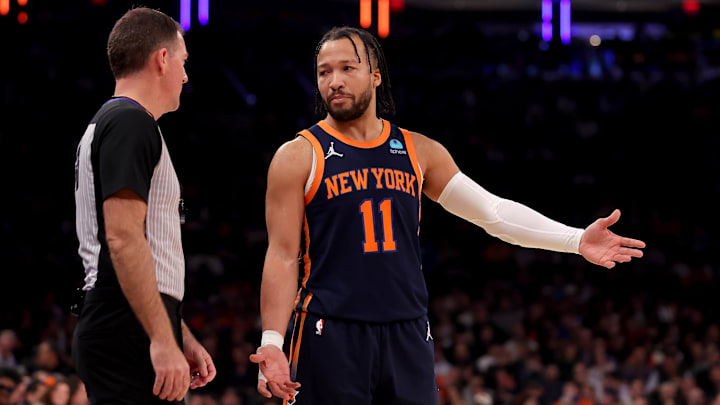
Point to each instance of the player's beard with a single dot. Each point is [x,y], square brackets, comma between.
[355,111]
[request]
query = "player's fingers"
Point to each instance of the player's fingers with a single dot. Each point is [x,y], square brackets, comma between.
[288,391]
[629,242]
[262,389]
[257,357]
[612,218]
[280,391]
[622,258]
[631,252]
[292,385]
[609,264]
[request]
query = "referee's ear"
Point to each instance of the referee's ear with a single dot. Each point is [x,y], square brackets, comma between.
[158,61]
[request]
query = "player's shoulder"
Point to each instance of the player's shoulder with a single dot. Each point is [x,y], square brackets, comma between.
[297,147]
[421,141]
[293,157]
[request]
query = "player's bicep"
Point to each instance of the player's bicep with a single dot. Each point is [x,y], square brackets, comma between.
[285,200]
[437,165]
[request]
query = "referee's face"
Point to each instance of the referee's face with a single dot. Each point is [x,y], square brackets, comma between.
[176,75]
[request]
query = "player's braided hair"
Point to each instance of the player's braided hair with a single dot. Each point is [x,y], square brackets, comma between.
[374,53]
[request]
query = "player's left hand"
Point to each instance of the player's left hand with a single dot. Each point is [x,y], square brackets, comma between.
[274,372]
[602,247]
[202,368]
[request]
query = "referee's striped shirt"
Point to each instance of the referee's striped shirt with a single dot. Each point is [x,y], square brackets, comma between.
[123,148]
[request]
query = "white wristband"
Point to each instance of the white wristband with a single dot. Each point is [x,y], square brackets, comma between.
[272,337]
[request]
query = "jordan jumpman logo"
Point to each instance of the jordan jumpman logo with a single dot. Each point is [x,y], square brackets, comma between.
[331,151]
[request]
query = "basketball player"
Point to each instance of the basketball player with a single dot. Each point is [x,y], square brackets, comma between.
[351,185]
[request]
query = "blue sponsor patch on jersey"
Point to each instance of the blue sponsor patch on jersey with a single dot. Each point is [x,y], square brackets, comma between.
[395,144]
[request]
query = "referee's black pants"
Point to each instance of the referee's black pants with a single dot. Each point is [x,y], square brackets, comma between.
[111,350]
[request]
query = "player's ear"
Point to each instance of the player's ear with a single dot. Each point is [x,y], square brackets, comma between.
[376,78]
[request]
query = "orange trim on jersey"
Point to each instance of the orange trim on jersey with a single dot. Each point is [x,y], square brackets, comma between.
[297,299]
[292,339]
[296,352]
[416,166]
[384,135]
[319,164]
[413,159]
[306,257]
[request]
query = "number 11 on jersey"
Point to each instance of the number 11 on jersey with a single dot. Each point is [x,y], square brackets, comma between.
[370,245]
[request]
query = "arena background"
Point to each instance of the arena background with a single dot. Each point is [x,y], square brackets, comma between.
[572,130]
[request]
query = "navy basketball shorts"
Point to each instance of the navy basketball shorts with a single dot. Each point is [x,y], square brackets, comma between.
[360,363]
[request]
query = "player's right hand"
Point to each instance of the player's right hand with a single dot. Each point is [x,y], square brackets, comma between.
[275,368]
[172,372]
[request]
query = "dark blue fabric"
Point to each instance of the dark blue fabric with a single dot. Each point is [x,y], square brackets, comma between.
[362,363]
[345,280]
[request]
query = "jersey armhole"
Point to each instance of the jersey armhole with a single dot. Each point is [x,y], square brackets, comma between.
[318,167]
[413,158]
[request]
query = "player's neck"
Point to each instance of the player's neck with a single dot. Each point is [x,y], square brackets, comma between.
[141,91]
[367,128]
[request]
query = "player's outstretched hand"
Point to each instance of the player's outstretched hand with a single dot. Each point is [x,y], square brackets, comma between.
[274,372]
[602,247]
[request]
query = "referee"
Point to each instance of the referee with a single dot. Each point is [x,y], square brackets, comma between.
[130,344]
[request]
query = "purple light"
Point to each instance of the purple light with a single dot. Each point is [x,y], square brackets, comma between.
[547,33]
[565,24]
[185,12]
[203,13]
[547,10]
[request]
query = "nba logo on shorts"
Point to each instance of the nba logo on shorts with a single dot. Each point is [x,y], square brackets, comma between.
[319,327]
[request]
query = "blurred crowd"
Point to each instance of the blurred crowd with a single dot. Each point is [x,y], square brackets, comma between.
[546,330]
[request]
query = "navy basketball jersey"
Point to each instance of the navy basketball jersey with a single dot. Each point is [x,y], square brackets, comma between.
[362,216]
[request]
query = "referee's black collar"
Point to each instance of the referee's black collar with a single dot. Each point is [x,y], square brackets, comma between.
[126,98]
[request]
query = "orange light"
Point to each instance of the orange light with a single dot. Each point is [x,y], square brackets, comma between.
[4,7]
[22,3]
[22,17]
[365,13]
[383,18]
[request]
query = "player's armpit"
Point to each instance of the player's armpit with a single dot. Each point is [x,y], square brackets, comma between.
[436,163]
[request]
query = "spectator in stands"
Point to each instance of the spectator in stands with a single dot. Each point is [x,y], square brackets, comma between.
[8,344]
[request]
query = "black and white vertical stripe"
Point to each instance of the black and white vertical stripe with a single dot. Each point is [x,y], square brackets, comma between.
[162,222]
[86,219]
[162,227]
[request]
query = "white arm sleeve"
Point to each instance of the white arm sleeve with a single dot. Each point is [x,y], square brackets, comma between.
[512,222]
